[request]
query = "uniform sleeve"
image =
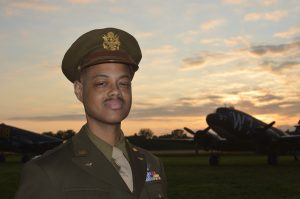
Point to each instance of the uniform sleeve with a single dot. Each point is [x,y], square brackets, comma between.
[35,183]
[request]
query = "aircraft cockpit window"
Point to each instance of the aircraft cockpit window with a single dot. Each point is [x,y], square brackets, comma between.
[222,110]
[223,118]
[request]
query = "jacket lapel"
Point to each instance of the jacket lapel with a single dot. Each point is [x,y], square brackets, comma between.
[90,159]
[138,166]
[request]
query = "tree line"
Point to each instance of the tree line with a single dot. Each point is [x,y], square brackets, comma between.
[146,133]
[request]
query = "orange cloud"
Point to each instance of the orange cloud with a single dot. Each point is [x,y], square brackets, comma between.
[212,24]
[234,2]
[81,1]
[232,41]
[268,16]
[287,34]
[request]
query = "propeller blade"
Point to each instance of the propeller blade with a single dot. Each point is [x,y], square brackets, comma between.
[268,126]
[263,129]
[189,131]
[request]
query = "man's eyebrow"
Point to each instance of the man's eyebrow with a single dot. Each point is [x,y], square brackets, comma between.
[125,76]
[100,75]
[107,76]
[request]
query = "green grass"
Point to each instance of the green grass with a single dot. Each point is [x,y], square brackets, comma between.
[238,176]
[190,177]
[9,176]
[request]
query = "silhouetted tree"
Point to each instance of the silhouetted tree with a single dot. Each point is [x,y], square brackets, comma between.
[49,133]
[178,133]
[146,133]
[64,135]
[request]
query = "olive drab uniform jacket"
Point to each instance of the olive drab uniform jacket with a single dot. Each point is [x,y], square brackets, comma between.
[78,170]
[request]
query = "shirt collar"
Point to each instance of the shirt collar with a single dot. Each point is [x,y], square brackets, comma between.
[106,148]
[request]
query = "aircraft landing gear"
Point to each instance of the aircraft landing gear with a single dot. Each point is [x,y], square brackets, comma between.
[197,149]
[296,158]
[272,158]
[214,159]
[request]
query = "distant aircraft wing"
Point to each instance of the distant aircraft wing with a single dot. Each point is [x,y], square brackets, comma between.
[289,143]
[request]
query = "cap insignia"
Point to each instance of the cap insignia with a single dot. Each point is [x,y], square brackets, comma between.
[111,41]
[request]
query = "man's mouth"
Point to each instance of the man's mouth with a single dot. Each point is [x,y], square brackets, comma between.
[114,104]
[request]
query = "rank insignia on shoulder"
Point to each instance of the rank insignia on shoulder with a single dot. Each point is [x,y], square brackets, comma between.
[134,149]
[140,158]
[152,176]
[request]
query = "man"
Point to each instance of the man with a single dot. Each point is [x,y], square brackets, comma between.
[98,162]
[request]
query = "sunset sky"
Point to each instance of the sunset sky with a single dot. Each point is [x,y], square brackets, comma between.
[197,55]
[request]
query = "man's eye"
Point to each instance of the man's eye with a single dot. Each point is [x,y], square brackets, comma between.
[125,84]
[100,84]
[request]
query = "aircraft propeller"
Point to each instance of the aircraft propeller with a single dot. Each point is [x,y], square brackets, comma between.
[200,137]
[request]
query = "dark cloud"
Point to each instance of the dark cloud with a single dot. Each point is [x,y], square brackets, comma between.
[283,108]
[187,107]
[287,60]
[297,38]
[279,66]
[276,105]
[194,61]
[214,97]
[172,111]
[268,98]
[69,117]
[263,49]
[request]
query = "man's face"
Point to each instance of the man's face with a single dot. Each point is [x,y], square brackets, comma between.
[105,91]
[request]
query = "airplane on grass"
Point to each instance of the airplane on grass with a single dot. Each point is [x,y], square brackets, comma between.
[239,130]
[27,143]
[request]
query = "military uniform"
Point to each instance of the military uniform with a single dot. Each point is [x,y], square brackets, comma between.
[82,168]
[77,169]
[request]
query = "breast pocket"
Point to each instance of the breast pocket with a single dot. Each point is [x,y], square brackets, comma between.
[155,190]
[86,193]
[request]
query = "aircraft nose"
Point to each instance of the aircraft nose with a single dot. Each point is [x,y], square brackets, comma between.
[211,119]
[214,119]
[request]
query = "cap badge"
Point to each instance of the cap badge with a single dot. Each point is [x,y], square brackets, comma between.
[111,41]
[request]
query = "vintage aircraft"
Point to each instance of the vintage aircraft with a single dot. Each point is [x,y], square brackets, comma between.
[297,129]
[239,130]
[27,143]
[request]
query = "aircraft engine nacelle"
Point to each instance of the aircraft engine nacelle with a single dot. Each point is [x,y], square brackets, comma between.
[207,140]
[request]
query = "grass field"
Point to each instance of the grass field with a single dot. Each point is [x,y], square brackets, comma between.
[190,177]
[238,176]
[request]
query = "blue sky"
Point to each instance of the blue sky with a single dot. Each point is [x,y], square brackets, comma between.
[197,56]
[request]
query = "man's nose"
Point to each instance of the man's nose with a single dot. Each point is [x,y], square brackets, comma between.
[114,90]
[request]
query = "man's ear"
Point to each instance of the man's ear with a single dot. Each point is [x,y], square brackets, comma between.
[78,90]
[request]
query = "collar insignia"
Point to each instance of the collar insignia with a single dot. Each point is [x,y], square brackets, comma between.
[111,41]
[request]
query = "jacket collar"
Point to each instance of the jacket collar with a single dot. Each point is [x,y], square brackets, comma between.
[90,159]
[138,166]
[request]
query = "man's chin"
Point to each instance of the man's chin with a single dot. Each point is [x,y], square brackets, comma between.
[107,117]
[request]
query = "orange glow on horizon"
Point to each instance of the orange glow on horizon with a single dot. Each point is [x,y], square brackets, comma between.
[159,125]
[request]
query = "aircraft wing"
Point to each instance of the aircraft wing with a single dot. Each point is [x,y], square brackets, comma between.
[13,139]
[289,143]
